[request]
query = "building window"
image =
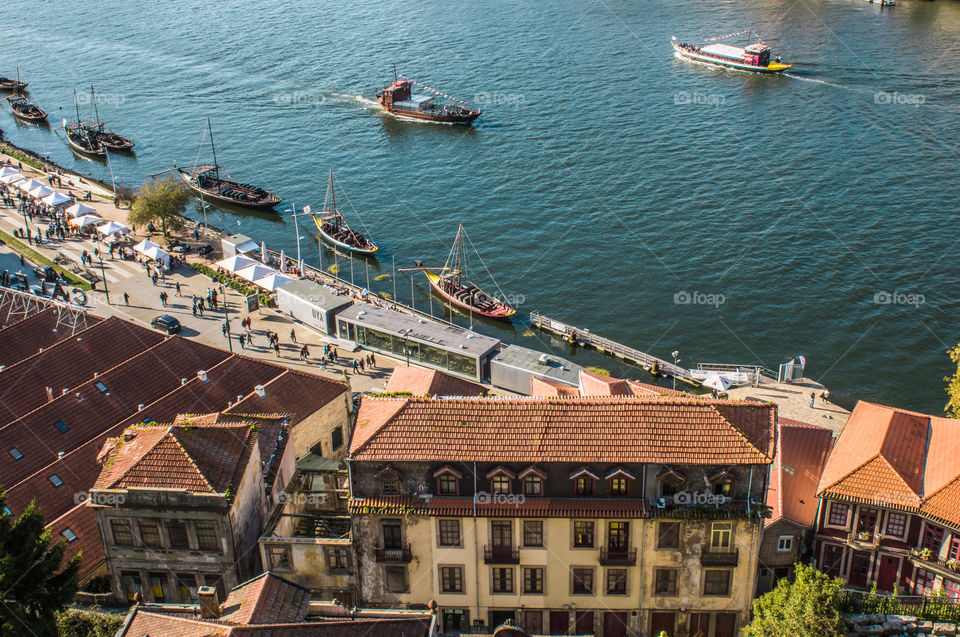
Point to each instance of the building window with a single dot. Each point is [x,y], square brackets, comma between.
[583,534]
[447,484]
[671,483]
[618,536]
[665,581]
[582,581]
[392,534]
[336,438]
[449,532]
[533,486]
[149,533]
[455,620]
[279,557]
[158,587]
[838,514]
[954,552]
[533,533]
[178,535]
[122,536]
[923,584]
[451,579]
[951,588]
[721,536]
[187,587]
[396,578]
[389,483]
[338,559]
[616,581]
[62,427]
[619,486]
[533,580]
[101,387]
[932,538]
[207,537]
[500,484]
[130,581]
[785,543]
[502,579]
[716,582]
[832,558]
[896,524]
[722,484]
[668,535]
[16,453]
[583,485]
[69,535]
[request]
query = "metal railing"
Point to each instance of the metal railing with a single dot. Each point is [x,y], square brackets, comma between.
[401,555]
[617,556]
[497,554]
[720,558]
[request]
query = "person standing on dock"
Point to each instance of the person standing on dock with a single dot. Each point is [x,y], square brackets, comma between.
[812,399]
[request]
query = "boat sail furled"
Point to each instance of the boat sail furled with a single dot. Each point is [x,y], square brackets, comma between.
[334,229]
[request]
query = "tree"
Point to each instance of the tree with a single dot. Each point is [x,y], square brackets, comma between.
[953,385]
[88,623]
[162,200]
[808,606]
[34,582]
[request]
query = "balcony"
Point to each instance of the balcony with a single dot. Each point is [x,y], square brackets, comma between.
[394,555]
[927,561]
[720,558]
[618,556]
[496,554]
[863,540]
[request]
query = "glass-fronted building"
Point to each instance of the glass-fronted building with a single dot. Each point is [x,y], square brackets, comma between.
[419,340]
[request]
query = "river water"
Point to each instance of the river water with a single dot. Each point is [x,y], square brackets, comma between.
[669,206]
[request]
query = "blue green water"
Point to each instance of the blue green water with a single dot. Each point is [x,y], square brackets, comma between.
[605,178]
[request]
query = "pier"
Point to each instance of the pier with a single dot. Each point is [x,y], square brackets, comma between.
[586,338]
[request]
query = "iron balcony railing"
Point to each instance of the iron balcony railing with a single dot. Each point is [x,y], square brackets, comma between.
[497,554]
[401,554]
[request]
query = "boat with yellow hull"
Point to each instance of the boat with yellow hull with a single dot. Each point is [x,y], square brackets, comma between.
[755,58]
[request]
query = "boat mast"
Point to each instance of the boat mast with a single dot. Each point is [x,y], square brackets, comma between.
[93,98]
[396,78]
[460,255]
[76,105]
[19,87]
[216,166]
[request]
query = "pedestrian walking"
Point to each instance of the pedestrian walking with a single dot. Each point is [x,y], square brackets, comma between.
[200,309]
[242,338]
[826,395]
[293,335]
[361,365]
[276,348]
[163,298]
[223,328]
[194,310]
[179,291]
[323,364]
[304,352]
[812,398]
[154,278]
[126,299]
[355,366]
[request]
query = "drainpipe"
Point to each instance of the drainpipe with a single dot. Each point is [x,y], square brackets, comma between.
[749,489]
[476,543]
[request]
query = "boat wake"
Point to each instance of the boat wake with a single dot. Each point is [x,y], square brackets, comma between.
[358,99]
[827,83]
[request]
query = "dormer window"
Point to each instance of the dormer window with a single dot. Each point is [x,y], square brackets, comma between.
[584,481]
[448,480]
[722,483]
[671,483]
[501,481]
[389,481]
[532,479]
[619,480]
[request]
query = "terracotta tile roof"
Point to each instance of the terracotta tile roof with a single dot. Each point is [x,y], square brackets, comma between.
[546,387]
[25,337]
[641,389]
[294,393]
[802,452]
[420,382]
[593,384]
[82,522]
[681,430]
[623,508]
[266,599]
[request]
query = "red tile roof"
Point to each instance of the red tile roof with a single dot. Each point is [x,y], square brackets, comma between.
[593,384]
[82,521]
[25,337]
[545,387]
[684,430]
[421,382]
[294,393]
[266,599]
[802,452]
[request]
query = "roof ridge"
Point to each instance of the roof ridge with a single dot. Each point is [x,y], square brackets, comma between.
[746,438]
[245,441]
[190,458]
[847,474]
[898,409]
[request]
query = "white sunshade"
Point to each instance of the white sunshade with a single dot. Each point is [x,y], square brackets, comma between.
[29,185]
[39,192]
[7,170]
[56,199]
[715,381]
[256,271]
[112,227]
[151,250]
[12,178]
[80,209]
[247,246]
[236,262]
[85,220]
[273,281]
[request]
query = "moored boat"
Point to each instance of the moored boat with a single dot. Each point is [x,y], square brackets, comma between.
[205,180]
[334,229]
[399,100]
[755,58]
[79,138]
[7,84]
[103,134]
[25,109]
[452,284]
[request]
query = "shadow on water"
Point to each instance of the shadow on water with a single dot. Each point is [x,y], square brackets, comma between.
[397,127]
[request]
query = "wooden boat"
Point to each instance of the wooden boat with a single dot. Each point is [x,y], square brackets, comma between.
[206,181]
[754,58]
[103,134]
[79,138]
[452,284]
[334,229]
[25,109]
[399,100]
[7,84]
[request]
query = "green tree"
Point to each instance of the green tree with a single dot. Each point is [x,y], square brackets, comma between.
[34,582]
[163,200]
[953,385]
[88,623]
[808,606]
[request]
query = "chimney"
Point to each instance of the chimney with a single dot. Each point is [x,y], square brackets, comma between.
[202,375]
[49,393]
[261,390]
[209,602]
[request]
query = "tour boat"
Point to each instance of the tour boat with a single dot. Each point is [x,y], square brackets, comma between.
[79,138]
[25,109]
[205,180]
[103,134]
[399,100]
[754,58]
[451,283]
[334,229]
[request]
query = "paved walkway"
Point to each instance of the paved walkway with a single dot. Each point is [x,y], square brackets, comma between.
[793,401]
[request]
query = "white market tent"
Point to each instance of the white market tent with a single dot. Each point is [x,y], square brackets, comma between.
[7,170]
[85,220]
[12,178]
[56,199]
[254,272]
[80,209]
[273,281]
[40,191]
[236,262]
[151,250]
[29,185]
[111,227]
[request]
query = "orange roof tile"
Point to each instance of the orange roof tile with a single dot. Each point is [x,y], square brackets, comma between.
[684,430]
[421,382]
[593,384]
[802,452]
[546,387]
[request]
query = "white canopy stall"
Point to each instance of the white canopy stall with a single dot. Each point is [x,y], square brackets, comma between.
[151,250]
[273,281]
[111,227]
[56,199]
[236,262]
[254,272]
[80,209]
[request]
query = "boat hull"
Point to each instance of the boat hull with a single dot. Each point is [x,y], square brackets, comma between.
[97,151]
[434,118]
[340,244]
[503,311]
[265,204]
[771,69]
[12,85]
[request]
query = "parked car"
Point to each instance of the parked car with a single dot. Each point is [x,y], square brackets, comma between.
[166,323]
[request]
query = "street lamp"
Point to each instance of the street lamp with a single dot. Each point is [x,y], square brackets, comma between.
[103,275]
[675,353]
[226,317]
